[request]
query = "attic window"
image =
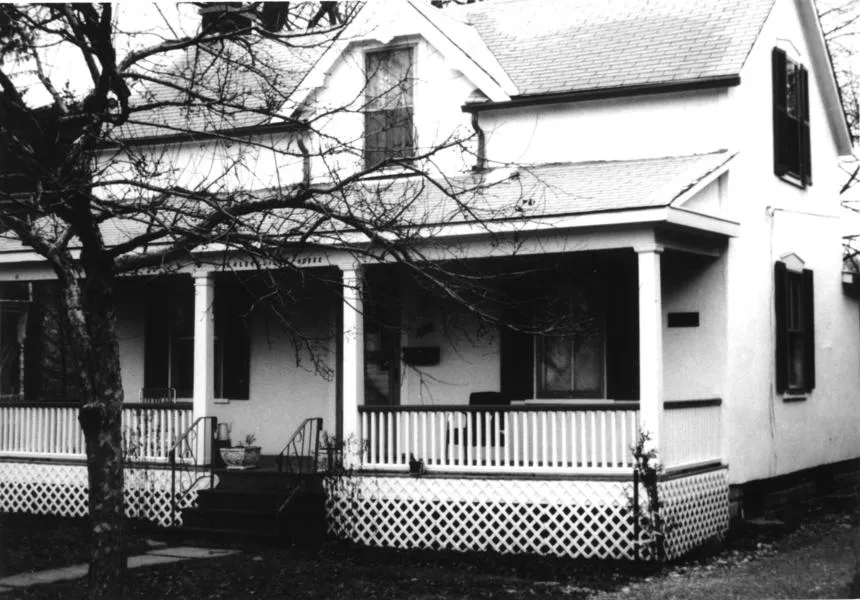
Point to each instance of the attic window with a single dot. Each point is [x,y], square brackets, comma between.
[388,116]
[791,153]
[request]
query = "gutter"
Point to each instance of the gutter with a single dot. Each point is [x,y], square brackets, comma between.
[608,92]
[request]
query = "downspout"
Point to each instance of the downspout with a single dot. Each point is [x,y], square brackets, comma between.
[481,162]
[306,161]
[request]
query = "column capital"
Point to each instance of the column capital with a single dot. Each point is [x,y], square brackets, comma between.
[198,275]
[354,267]
[649,248]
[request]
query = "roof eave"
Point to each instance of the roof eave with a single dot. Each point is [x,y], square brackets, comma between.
[704,83]
[194,136]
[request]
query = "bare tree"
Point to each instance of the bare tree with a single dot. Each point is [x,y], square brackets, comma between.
[840,20]
[94,182]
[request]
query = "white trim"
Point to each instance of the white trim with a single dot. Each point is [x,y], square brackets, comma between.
[704,182]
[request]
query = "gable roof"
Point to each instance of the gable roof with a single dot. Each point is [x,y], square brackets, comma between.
[551,46]
[516,47]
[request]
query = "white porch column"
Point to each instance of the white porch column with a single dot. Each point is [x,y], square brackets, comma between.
[353,358]
[650,343]
[204,343]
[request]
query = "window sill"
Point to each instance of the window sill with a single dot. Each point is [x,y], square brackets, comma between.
[792,180]
[794,397]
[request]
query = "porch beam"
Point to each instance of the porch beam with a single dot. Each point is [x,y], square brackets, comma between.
[204,343]
[352,342]
[650,342]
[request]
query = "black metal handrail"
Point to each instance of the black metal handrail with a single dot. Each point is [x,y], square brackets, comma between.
[303,444]
[189,445]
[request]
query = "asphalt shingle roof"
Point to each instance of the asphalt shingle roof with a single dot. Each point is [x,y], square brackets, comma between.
[549,46]
[234,84]
[526,193]
[563,189]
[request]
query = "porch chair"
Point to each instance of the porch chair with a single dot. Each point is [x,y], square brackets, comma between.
[158,395]
[455,435]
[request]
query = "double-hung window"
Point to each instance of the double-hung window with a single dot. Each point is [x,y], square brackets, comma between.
[388,115]
[791,150]
[571,360]
[795,329]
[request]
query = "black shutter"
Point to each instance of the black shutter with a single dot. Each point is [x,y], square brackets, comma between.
[236,344]
[374,138]
[809,331]
[156,342]
[33,344]
[622,332]
[780,118]
[805,151]
[517,365]
[781,305]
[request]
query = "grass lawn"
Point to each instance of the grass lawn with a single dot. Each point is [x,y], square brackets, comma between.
[813,557]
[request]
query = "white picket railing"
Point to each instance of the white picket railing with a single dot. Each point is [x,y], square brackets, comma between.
[547,439]
[691,433]
[52,430]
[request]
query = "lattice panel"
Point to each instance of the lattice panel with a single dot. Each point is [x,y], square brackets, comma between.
[695,509]
[577,519]
[61,489]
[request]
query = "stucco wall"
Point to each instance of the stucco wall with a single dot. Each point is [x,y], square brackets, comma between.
[765,436]
[612,129]
[469,352]
[694,357]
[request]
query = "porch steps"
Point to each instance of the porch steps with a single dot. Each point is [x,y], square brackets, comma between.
[248,504]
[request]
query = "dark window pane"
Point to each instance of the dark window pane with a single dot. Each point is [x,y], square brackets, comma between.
[388,117]
[588,365]
[558,365]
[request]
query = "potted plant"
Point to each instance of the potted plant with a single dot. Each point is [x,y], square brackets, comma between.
[243,455]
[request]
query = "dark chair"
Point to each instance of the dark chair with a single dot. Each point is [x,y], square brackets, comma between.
[477,424]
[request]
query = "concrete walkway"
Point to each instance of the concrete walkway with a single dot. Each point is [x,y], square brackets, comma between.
[153,557]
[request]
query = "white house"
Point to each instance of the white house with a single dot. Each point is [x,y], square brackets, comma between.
[647,165]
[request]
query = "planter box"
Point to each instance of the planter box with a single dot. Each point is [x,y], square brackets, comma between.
[240,458]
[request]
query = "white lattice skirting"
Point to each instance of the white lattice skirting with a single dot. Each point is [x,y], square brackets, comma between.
[568,518]
[695,508]
[61,489]
[573,518]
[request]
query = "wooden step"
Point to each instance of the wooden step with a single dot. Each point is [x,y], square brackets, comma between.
[219,498]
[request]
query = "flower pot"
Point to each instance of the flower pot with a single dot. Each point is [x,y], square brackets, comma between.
[240,458]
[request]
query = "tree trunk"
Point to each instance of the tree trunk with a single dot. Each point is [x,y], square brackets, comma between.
[89,304]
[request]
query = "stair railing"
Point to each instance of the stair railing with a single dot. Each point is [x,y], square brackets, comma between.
[303,444]
[192,460]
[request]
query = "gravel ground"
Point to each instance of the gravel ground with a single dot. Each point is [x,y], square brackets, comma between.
[813,554]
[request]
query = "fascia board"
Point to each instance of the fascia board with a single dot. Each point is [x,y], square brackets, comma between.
[824,75]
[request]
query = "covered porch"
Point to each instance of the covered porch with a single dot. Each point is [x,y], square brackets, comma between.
[398,387]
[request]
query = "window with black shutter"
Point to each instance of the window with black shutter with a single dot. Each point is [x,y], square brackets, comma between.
[388,116]
[791,151]
[232,342]
[795,329]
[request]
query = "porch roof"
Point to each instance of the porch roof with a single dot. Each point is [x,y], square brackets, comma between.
[563,189]
[532,197]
